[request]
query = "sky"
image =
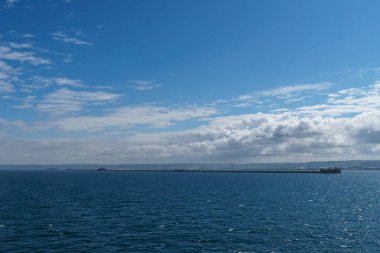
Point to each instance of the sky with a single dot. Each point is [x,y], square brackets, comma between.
[168,81]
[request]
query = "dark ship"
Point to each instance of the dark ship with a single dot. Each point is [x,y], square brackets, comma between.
[330,170]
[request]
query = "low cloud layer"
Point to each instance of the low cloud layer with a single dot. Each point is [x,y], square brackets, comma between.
[243,138]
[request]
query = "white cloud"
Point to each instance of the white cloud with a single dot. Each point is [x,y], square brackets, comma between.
[28,35]
[68,58]
[10,3]
[6,71]
[71,39]
[288,91]
[7,75]
[36,83]
[289,94]
[347,101]
[242,138]
[345,124]
[287,135]
[143,85]
[6,87]
[20,45]
[68,82]
[7,53]
[13,123]
[40,82]
[267,137]
[132,116]
[27,103]
[64,101]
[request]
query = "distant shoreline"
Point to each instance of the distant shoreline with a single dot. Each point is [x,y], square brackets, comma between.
[306,171]
[221,171]
[237,171]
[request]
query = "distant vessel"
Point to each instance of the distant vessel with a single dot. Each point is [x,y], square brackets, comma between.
[101,169]
[330,170]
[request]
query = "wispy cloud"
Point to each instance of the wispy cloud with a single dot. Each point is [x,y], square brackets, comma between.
[132,116]
[7,53]
[10,3]
[36,83]
[41,82]
[78,38]
[68,58]
[288,91]
[345,102]
[289,94]
[20,45]
[7,75]
[6,87]
[26,103]
[6,71]
[63,81]
[65,101]
[28,35]
[143,85]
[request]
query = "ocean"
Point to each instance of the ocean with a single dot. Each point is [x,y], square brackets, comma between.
[88,211]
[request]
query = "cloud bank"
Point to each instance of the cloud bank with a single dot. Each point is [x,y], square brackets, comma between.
[243,138]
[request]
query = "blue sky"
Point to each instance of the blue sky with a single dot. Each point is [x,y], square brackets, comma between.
[188,81]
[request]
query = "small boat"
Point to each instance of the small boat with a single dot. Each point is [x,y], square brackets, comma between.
[330,170]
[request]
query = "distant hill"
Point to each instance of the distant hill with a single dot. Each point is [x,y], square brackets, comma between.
[354,164]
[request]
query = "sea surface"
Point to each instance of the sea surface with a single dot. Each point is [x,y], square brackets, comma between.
[79,211]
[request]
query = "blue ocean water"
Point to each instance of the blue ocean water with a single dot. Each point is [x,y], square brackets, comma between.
[73,211]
